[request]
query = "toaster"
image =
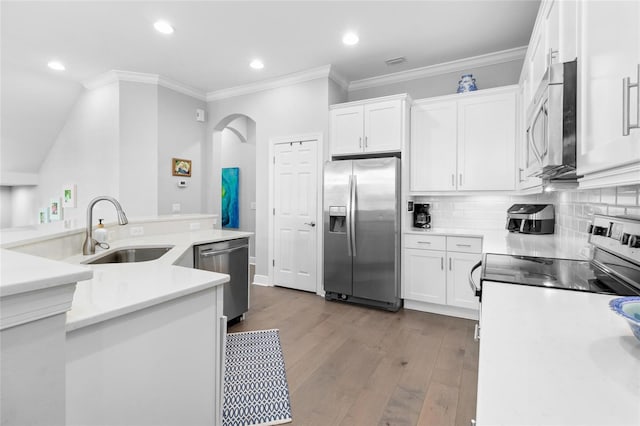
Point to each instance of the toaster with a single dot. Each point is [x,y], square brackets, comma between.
[531,218]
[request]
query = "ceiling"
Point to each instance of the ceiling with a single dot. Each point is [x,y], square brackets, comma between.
[213,43]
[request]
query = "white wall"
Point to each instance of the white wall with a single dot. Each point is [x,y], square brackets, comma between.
[86,152]
[179,136]
[5,207]
[445,84]
[290,110]
[138,152]
[235,152]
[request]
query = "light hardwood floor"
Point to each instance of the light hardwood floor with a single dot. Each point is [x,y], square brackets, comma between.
[351,365]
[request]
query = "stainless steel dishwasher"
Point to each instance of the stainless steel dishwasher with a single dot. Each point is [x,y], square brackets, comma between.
[228,257]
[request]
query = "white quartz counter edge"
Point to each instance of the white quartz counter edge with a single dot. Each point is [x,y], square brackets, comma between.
[551,357]
[23,273]
[120,289]
[501,241]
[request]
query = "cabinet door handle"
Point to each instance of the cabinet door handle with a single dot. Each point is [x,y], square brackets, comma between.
[366,141]
[626,107]
[424,242]
[453,180]
[360,142]
[520,170]
[463,245]
[449,263]
[460,179]
[442,263]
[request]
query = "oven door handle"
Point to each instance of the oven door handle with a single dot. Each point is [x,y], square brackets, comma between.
[476,290]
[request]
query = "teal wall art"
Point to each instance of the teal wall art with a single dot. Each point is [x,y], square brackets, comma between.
[230,180]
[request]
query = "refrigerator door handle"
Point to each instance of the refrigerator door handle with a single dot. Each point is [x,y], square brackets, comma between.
[348,218]
[354,207]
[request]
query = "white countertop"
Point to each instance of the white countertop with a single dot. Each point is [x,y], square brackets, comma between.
[555,357]
[22,273]
[118,289]
[501,241]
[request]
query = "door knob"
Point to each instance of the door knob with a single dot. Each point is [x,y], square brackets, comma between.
[312,224]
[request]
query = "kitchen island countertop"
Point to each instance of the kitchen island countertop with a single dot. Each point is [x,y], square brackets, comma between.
[120,288]
[551,357]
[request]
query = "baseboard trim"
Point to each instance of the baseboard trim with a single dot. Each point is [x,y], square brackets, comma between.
[262,280]
[452,311]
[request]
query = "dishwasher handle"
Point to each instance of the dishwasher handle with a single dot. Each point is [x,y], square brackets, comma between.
[214,252]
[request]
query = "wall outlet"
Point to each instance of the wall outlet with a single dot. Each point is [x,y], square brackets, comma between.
[136,231]
[175,208]
[194,226]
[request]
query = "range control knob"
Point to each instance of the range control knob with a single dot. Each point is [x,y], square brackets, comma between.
[600,230]
[634,241]
[625,239]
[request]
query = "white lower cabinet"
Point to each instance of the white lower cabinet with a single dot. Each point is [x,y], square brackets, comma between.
[459,292]
[436,277]
[426,277]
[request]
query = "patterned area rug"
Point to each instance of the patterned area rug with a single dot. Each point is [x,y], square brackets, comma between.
[255,384]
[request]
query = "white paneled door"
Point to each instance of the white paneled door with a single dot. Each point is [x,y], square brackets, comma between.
[295,215]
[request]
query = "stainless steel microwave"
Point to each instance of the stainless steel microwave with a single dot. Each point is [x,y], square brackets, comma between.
[551,124]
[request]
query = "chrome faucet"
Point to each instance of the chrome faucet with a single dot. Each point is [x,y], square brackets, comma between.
[89,246]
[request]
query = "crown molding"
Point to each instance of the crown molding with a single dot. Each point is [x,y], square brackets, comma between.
[338,78]
[287,80]
[443,68]
[113,76]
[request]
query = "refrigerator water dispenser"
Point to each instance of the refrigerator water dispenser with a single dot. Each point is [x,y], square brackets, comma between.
[338,219]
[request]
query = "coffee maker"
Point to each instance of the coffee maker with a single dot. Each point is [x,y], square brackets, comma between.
[421,216]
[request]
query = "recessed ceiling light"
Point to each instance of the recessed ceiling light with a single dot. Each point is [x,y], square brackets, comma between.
[350,39]
[164,27]
[256,64]
[56,65]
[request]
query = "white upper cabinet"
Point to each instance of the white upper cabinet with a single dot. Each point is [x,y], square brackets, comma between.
[609,46]
[464,142]
[346,130]
[434,151]
[372,126]
[487,142]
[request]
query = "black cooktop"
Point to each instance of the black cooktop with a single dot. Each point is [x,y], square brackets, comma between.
[567,274]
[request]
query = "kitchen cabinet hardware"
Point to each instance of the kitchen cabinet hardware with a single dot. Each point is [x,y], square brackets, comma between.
[449,263]
[626,104]
[442,263]
[424,242]
[366,139]
[311,224]
[453,180]
[360,142]
[520,170]
[463,245]
[460,179]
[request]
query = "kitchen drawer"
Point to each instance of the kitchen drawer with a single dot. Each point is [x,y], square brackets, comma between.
[464,244]
[430,242]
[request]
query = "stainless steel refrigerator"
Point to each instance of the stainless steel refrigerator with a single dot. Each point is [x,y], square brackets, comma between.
[362,231]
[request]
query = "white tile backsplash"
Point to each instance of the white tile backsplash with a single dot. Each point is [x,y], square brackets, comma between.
[574,209]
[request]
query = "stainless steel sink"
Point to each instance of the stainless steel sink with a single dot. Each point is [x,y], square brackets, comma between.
[133,254]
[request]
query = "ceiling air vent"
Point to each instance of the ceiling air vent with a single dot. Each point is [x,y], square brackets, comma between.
[395,61]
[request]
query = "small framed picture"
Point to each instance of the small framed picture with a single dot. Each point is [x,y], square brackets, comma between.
[181,167]
[55,209]
[43,215]
[69,196]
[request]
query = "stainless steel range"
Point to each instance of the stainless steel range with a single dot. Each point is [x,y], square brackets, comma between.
[614,267]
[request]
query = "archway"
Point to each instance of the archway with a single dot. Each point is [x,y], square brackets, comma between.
[234,145]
